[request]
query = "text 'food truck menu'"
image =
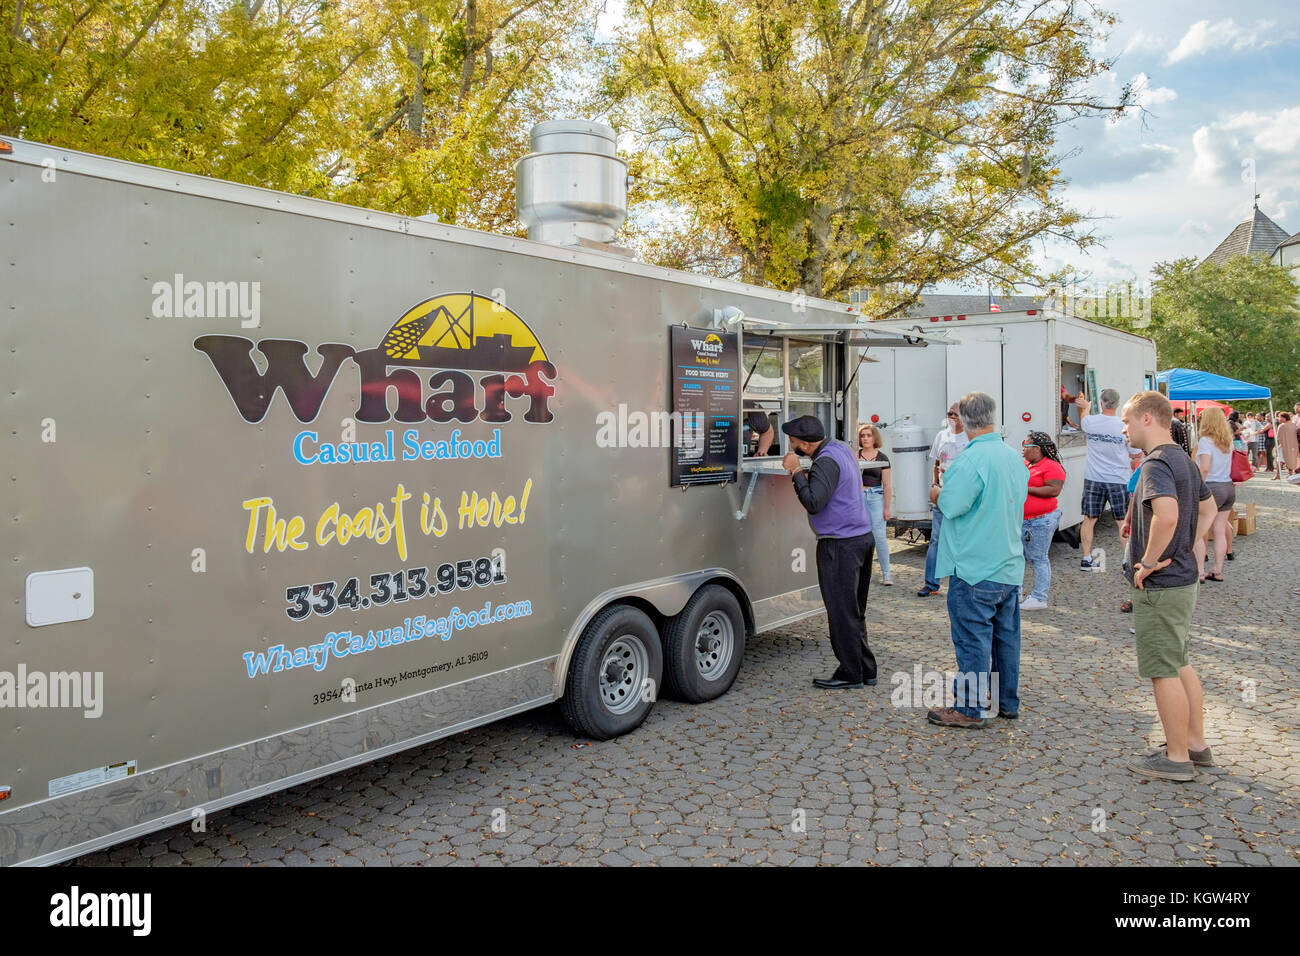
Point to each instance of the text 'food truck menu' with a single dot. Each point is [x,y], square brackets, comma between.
[706,405]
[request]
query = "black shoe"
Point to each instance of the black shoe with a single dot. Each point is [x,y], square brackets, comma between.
[834,683]
[1005,716]
[871,681]
[927,591]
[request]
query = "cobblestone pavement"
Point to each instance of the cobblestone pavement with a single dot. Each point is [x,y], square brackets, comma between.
[729,781]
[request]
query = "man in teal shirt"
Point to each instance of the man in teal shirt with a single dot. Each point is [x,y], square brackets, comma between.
[982,554]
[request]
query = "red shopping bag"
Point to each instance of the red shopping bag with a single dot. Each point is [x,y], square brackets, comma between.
[1241,469]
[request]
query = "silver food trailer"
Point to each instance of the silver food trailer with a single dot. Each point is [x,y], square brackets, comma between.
[292,485]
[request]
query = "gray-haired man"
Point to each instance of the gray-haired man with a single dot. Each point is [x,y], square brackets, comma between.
[1107,468]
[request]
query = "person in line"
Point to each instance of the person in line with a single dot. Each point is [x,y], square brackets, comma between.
[1106,469]
[831,493]
[1257,445]
[1234,422]
[1288,443]
[1270,445]
[948,444]
[1214,459]
[1178,428]
[982,555]
[1126,529]
[878,492]
[1042,514]
[1174,510]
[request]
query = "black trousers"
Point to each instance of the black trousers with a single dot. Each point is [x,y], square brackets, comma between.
[844,576]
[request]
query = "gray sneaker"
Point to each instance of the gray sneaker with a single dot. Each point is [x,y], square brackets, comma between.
[1158,765]
[1201,758]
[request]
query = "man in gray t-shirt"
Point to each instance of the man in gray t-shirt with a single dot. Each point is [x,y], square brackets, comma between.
[1173,509]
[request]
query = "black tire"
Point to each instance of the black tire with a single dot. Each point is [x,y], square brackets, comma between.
[703,619]
[585,706]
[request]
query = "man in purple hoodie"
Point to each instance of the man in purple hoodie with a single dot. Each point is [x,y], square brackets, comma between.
[831,493]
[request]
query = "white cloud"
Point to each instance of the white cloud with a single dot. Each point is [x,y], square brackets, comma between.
[1141,40]
[1203,36]
[1266,145]
[1144,95]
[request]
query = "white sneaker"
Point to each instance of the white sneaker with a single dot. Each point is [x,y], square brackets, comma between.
[888,581]
[1032,604]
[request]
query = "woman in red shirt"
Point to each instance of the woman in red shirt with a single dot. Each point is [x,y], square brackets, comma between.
[1046,479]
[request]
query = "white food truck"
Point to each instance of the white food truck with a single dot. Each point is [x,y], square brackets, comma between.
[1027,360]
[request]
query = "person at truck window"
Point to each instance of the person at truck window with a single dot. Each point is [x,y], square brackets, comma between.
[1042,514]
[982,554]
[877,492]
[1214,459]
[1068,401]
[1107,467]
[758,424]
[831,493]
[947,446]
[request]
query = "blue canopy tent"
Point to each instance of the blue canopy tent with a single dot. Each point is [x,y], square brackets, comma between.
[1192,385]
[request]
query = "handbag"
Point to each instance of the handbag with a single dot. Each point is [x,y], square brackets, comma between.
[1241,468]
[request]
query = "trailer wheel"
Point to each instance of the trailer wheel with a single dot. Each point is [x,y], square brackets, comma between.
[615,674]
[704,645]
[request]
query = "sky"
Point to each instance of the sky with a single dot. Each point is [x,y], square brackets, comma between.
[1220,85]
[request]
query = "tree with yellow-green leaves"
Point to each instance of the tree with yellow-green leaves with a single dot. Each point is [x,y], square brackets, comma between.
[828,145]
[412,106]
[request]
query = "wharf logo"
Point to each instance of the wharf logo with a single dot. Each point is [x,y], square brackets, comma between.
[74,909]
[455,331]
[58,689]
[708,350]
[208,300]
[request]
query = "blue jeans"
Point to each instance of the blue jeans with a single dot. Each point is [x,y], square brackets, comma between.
[932,552]
[875,501]
[985,624]
[1037,534]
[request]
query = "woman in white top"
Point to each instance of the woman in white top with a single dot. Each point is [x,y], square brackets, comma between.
[1214,456]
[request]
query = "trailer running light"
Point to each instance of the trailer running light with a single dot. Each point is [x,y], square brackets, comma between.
[947,318]
[934,318]
[1026,417]
[961,318]
[5,148]
[875,419]
[4,793]
[1031,312]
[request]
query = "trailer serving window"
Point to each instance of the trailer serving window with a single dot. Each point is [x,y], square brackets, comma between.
[784,377]
[1071,381]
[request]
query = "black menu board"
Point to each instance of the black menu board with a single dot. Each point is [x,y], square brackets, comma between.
[706,400]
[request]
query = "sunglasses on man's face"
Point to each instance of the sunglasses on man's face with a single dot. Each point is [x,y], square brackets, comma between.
[952,414]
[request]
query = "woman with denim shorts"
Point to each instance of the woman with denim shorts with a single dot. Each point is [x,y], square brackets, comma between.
[877,488]
[1046,479]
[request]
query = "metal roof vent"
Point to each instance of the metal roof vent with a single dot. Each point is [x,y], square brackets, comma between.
[572,188]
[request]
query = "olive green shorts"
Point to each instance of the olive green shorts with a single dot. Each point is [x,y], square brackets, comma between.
[1162,620]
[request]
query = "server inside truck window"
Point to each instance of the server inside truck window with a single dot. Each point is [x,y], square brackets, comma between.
[1072,384]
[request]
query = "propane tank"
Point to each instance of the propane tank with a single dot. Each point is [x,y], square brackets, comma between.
[909,459]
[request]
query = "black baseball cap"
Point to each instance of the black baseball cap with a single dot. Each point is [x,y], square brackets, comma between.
[805,427]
